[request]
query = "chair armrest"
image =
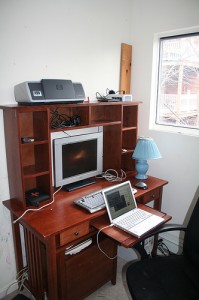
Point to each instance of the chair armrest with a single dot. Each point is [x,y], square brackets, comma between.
[164,228]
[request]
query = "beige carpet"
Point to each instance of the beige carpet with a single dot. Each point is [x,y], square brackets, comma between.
[114,292]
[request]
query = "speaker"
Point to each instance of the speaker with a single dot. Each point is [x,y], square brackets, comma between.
[79,91]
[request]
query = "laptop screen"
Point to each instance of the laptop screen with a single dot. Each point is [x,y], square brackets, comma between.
[119,199]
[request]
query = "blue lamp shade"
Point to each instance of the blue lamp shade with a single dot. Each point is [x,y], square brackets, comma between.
[145,149]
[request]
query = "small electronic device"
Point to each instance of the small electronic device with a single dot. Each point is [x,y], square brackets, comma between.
[27,139]
[49,90]
[35,196]
[77,156]
[141,185]
[116,98]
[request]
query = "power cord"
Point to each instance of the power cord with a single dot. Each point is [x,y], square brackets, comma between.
[99,245]
[21,277]
[114,176]
[162,247]
[107,175]
[108,92]
[36,209]
[57,120]
[60,120]
[148,245]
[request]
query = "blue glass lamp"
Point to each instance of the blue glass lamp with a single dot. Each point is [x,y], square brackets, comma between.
[145,149]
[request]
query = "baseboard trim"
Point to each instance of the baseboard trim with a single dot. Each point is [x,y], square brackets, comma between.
[9,290]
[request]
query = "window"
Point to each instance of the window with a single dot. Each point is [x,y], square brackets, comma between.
[177,82]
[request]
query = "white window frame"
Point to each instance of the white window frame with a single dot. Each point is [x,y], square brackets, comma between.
[154,84]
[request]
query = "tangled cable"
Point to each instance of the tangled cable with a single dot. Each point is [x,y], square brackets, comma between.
[115,176]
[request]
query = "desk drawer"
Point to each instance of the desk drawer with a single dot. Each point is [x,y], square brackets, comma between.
[81,274]
[74,233]
[150,196]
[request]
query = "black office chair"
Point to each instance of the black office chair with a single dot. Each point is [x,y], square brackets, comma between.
[173,277]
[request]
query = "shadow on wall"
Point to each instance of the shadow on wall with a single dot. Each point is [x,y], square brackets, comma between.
[190,210]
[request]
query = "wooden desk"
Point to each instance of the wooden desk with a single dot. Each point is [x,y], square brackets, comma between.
[50,231]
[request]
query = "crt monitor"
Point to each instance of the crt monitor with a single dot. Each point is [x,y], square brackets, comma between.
[77,158]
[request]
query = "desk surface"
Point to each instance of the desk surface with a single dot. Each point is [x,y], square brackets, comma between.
[64,214]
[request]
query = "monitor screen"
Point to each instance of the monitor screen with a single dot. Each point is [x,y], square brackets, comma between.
[79,158]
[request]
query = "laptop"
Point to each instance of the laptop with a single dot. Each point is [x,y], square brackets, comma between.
[123,212]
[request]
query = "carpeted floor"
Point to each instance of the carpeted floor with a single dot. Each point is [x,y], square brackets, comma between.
[114,292]
[106,292]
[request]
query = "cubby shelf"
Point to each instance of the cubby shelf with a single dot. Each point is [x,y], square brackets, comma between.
[34,171]
[36,142]
[129,128]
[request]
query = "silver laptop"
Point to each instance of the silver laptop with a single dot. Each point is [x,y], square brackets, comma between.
[123,212]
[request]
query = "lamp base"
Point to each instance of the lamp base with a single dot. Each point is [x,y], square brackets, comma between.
[141,177]
[141,167]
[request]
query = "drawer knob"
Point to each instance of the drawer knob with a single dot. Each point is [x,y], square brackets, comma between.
[153,196]
[76,233]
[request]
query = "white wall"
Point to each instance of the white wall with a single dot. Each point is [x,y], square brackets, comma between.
[77,40]
[180,162]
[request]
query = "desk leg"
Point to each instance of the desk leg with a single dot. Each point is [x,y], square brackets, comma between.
[17,244]
[114,272]
[157,205]
[158,202]
[51,268]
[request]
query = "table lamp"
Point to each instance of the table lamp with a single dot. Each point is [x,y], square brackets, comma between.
[145,149]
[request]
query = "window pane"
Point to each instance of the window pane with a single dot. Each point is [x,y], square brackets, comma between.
[178,82]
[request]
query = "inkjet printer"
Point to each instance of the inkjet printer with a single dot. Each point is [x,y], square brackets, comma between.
[49,90]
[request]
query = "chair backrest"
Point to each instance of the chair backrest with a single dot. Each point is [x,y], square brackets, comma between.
[191,239]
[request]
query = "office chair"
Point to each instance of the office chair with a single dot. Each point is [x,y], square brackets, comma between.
[173,277]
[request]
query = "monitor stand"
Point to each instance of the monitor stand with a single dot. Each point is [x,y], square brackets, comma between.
[77,185]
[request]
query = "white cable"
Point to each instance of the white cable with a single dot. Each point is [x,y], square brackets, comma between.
[149,247]
[20,279]
[15,282]
[36,209]
[99,245]
[114,177]
[66,133]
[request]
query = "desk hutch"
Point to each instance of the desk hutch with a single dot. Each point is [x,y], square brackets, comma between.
[51,230]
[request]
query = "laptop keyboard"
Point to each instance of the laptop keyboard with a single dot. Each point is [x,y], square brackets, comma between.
[136,217]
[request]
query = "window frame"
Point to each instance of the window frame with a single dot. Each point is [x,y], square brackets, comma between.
[155,83]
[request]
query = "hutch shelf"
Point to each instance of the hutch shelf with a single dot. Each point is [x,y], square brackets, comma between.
[30,165]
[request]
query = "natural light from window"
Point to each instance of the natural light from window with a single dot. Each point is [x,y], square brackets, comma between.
[177,82]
